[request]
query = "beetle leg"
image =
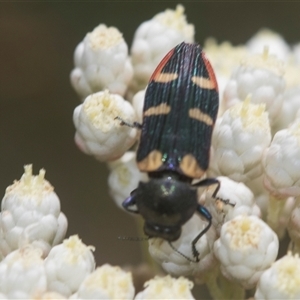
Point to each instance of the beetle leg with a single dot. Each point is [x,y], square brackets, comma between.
[132,125]
[207,182]
[211,181]
[130,201]
[206,214]
[183,255]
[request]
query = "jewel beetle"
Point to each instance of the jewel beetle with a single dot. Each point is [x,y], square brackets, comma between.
[180,109]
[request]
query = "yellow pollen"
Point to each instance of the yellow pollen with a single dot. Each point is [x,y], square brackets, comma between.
[101,109]
[265,53]
[288,278]
[253,116]
[245,225]
[103,37]
[244,233]
[175,19]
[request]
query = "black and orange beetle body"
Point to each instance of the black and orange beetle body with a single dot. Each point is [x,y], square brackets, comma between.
[180,109]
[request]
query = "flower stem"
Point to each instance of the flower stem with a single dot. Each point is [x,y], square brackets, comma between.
[231,290]
[274,209]
[212,285]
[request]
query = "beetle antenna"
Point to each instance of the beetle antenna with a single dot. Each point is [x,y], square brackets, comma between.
[183,255]
[133,238]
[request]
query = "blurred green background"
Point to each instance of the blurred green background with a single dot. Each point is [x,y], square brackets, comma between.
[36,99]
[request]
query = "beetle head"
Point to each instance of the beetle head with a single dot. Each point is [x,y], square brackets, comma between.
[165,204]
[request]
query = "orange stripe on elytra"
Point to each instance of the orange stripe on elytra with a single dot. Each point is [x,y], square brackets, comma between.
[152,162]
[197,114]
[211,73]
[204,82]
[190,166]
[162,109]
[165,77]
[158,69]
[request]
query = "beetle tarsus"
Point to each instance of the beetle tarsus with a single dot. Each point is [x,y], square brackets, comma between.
[206,214]
[132,125]
[183,255]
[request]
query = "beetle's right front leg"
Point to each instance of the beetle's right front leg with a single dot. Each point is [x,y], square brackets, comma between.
[129,202]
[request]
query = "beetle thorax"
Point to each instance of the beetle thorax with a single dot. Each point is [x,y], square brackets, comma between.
[166,203]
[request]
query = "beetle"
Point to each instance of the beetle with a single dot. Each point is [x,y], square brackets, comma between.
[180,109]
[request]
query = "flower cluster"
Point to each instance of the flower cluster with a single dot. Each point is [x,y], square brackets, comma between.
[255,151]
[255,154]
[38,263]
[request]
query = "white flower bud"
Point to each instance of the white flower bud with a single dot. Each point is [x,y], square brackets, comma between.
[101,62]
[182,263]
[124,177]
[67,265]
[294,226]
[153,40]
[31,214]
[247,246]
[47,296]
[239,139]
[281,162]
[138,104]
[260,76]
[296,53]
[106,282]
[290,108]
[166,288]
[281,280]
[98,132]
[223,67]
[22,273]
[291,75]
[268,38]
[238,200]
[276,212]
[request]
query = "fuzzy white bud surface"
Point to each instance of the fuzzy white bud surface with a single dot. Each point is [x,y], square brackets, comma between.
[247,246]
[294,226]
[290,108]
[153,39]
[281,280]
[98,132]
[101,62]
[106,282]
[223,67]
[22,273]
[124,177]
[268,38]
[30,213]
[48,296]
[296,53]
[166,288]
[281,162]
[233,199]
[138,104]
[68,264]
[239,139]
[260,76]
[182,262]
